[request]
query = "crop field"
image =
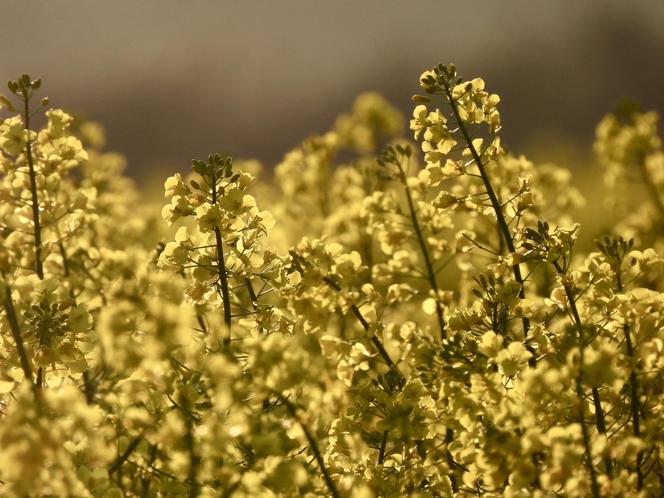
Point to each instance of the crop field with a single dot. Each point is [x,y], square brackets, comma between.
[290,250]
[401,310]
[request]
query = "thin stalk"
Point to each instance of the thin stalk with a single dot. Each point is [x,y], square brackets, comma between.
[65,261]
[313,445]
[383,353]
[88,389]
[223,280]
[117,463]
[365,325]
[201,323]
[633,387]
[221,267]
[16,334]
[584,429]
[298,261]
[33,190]
[383,447]
[579,389]
[424,249]
[145,485]
[39,269]
[449,437]
[599,412]
[634,406]
[252,293]
[194,460]
[377,344]
[233,487]
[495,203]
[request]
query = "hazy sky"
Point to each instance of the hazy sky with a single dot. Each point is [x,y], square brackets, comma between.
[174,79]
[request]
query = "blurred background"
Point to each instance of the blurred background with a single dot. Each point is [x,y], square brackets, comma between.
[172,80]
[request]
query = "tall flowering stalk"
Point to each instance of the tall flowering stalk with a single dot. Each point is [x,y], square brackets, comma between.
[469,105]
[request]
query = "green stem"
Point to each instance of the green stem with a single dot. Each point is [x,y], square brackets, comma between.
[88,389]
[599,412]
[298,261]
[313,445]
[223,280]
[252,293]
[584,429]
[201,323]
[424,249]
[117,463]
[365,325]
[579,390]
[33,190]
[233,487]
[633,385]
[383,447]
[145,486]
[194,460]
[634,405]
[39,269]
[16,334]
[221,267]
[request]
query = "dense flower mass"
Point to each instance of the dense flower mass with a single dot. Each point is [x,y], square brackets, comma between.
[391,316]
